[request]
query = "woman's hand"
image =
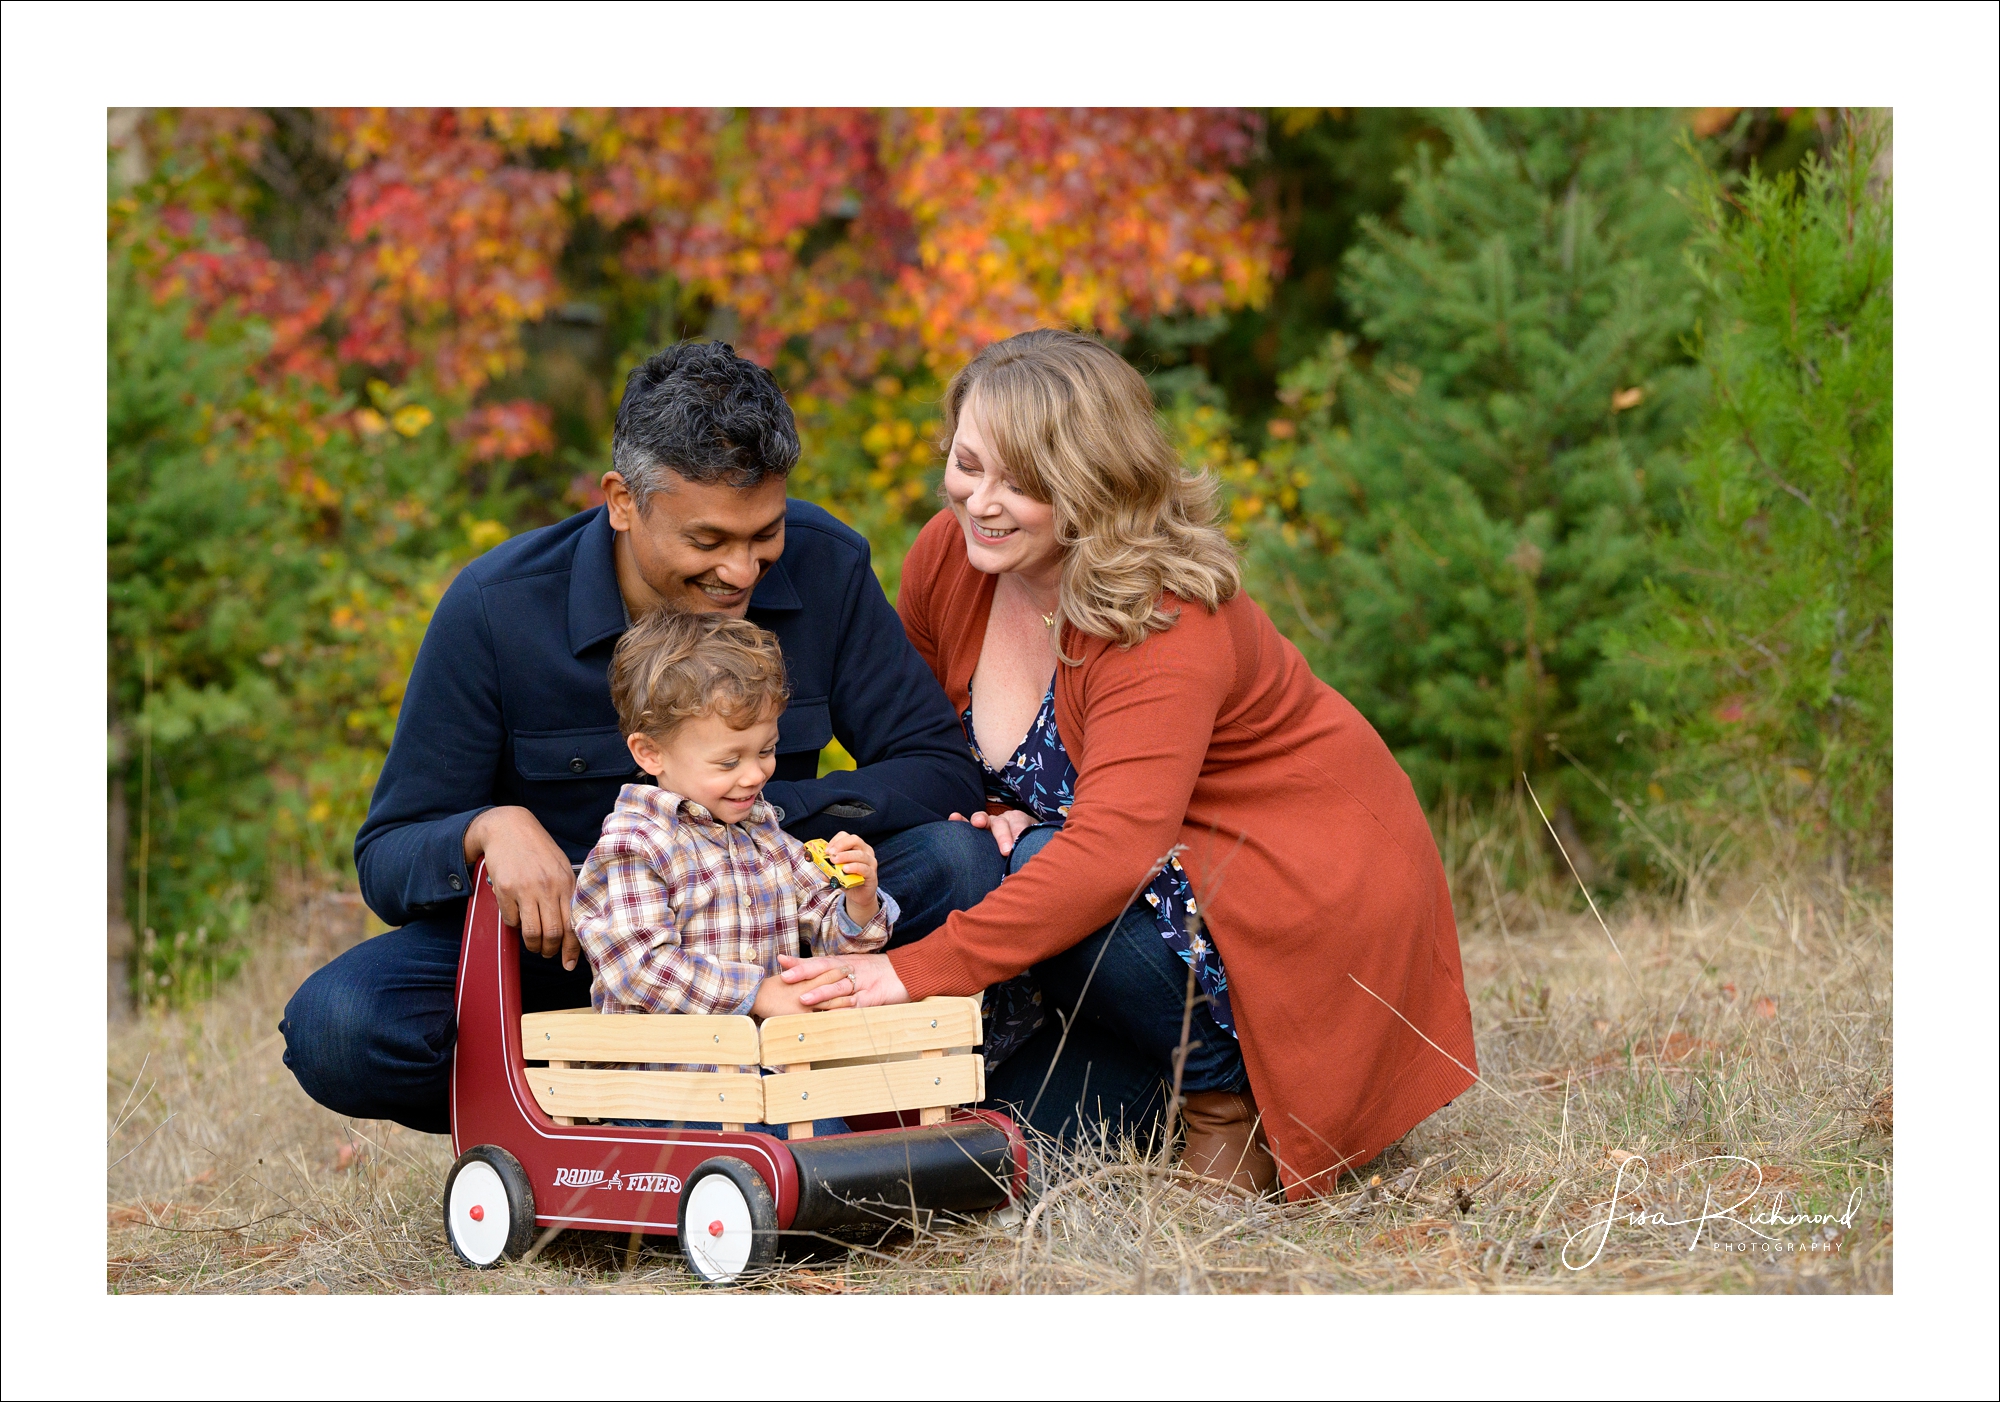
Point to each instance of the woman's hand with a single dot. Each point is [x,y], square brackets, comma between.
[1006,827]
[870,981]
[776,998]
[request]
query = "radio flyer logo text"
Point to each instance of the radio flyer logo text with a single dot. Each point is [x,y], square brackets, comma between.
[617,1182]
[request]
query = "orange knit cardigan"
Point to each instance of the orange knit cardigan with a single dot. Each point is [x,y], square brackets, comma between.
[1310,858]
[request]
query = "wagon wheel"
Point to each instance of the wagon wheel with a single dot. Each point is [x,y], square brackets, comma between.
[489,1207]
[728,1222]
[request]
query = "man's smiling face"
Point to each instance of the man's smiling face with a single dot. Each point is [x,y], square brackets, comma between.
[699,547]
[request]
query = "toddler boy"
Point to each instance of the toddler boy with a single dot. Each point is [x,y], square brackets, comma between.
[693,890]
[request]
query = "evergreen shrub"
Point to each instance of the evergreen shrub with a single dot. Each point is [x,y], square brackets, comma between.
[1459,508]
[1761,668]
[274,555]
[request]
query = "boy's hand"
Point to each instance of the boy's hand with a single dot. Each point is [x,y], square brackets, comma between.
[856,858]
[775,997]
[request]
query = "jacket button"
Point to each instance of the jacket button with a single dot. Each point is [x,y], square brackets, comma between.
[456,883]
[577,766]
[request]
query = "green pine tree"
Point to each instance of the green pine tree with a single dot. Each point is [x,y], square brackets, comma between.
[1767,662]
[1463,508]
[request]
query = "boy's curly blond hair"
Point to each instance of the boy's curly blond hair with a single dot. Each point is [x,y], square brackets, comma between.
[671,667]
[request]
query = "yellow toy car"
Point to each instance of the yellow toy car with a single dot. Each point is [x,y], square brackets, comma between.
[816,849]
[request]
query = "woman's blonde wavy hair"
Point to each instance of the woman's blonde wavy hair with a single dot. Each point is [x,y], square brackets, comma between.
[1074,427]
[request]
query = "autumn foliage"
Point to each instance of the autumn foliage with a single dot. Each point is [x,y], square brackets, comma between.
[843,242]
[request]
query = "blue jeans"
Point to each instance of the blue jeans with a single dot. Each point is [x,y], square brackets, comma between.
[370,1035]
[1108,1055]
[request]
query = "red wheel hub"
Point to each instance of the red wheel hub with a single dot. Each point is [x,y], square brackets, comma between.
[478,1213]
[715,1228]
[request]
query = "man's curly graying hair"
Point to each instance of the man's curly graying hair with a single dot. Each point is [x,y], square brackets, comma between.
[702,412]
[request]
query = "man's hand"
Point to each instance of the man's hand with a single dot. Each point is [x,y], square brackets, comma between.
[775,997]
[1006,827]
[530,875]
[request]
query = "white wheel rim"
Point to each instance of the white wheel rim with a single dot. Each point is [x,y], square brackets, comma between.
[483,1237]
[717,1255]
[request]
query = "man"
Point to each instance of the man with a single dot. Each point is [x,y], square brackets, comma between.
[508,747]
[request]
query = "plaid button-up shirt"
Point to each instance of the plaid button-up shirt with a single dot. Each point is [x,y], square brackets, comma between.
[682,913]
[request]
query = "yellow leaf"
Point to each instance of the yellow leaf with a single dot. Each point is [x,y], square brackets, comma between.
[1628,399]
[412,419]
[484,535]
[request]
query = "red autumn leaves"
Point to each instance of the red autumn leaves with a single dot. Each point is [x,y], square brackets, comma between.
[864,240]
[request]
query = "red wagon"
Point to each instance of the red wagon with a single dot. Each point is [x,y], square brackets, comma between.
[532,1097]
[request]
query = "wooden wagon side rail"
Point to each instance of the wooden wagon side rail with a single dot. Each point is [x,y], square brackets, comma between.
[579,1034]
[936,1024]
[570,1093]
[874,1072]
[733,1096]
[932,1085]
[857,1061]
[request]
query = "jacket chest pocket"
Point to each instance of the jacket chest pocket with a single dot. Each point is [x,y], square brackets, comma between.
[805,725]
[542,756]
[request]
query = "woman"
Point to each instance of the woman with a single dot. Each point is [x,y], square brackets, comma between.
[1081,609]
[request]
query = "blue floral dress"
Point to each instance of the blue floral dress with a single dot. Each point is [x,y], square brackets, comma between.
[1041,779]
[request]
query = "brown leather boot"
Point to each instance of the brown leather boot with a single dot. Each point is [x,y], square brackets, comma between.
[1225,1141]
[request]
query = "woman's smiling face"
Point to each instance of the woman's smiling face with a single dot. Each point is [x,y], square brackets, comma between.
[1006,531]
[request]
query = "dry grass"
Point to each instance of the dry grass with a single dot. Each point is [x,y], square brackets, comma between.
[1754,1025]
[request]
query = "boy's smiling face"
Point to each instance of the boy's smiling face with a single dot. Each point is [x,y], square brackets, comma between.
[712,762]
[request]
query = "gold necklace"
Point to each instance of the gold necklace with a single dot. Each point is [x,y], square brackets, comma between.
[1049,618]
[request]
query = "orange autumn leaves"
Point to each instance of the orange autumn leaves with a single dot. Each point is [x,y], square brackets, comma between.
[1091,218]
[855,241]
[911,238]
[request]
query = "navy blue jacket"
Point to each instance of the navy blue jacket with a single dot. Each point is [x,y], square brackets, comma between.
[510,703]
